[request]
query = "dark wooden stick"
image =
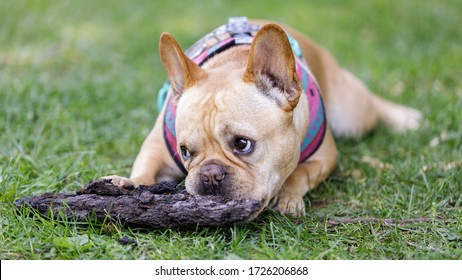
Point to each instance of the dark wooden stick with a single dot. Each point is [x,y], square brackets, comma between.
[156,206]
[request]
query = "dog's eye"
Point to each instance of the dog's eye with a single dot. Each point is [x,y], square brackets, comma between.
[242,145]
[185,153]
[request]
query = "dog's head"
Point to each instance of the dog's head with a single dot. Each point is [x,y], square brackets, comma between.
[235,116]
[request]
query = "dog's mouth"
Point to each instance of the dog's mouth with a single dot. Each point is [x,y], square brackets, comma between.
[226,192]
[231,190]
[218,179]
[226,188]
[212,178]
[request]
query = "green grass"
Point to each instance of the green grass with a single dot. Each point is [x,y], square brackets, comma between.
[77,96]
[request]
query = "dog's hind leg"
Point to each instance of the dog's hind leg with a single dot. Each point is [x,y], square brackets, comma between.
[353,110]
[398,117]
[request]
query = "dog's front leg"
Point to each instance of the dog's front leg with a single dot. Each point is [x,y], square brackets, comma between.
[306,177]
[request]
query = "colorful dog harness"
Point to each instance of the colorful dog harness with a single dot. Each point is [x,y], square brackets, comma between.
[239,31]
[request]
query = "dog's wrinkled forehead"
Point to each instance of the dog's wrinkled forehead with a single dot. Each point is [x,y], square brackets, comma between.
[232,104]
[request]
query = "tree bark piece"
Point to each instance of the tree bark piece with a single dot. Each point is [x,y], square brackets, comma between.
[157,206]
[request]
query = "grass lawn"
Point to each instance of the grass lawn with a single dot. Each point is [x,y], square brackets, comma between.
[78,84]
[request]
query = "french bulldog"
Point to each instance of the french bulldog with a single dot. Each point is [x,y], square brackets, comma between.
[243,114]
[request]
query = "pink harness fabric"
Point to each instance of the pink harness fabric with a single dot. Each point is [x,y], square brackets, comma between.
[200,54]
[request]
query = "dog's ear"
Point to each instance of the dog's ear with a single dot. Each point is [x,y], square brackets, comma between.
[271,64]
[181,70]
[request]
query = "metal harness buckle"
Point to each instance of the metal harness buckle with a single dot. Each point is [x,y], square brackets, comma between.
[240,29]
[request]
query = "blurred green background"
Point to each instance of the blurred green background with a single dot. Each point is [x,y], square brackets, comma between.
[78,81]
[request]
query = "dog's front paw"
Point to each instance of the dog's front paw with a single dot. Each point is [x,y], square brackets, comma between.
[119,181]
[289,205]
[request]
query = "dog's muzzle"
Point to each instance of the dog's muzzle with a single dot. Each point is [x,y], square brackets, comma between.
[212,177]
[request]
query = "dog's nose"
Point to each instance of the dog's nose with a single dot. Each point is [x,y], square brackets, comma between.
[212,175]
